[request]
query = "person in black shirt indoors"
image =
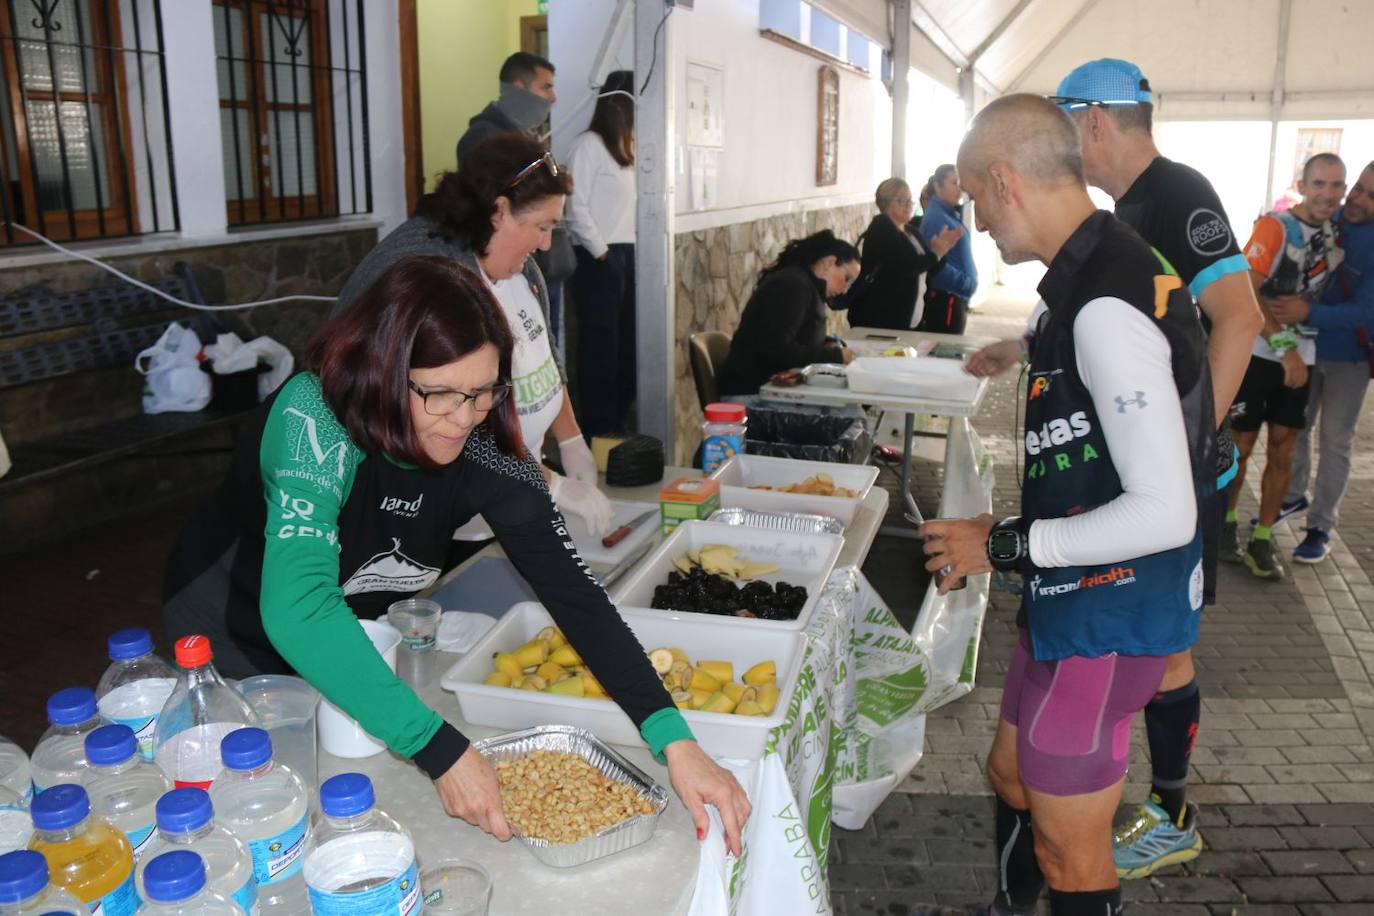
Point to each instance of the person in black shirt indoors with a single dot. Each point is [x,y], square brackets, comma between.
[783,325]
[894,258]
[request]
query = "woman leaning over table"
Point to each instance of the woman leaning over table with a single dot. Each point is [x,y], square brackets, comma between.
[342,499]
[490,217]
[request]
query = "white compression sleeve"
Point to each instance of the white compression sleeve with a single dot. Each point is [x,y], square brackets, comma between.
[1125,362]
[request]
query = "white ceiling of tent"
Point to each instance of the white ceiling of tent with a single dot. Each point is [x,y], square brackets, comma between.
[1204,58]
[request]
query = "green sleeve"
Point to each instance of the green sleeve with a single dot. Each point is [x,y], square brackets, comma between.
[308,464]
[662,729]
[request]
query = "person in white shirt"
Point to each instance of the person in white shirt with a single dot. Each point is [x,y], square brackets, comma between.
[601,218]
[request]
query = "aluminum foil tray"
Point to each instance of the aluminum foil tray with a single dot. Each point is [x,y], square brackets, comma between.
[572,740]
[795,522]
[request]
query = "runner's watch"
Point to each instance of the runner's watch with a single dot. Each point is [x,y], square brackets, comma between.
[1009,544]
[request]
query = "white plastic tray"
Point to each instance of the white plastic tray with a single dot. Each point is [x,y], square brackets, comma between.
[920,377]
[702,638]
[802,559]
[741,472]
[589,546]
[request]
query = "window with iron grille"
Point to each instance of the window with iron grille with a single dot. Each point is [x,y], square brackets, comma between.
[293,113]
[84,125]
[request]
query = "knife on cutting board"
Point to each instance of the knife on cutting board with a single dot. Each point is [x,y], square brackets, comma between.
[619,534]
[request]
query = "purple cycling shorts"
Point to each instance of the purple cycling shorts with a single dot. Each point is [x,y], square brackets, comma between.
[1073,716]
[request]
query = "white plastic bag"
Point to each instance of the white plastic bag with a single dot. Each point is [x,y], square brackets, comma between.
[230,354]
[172,380]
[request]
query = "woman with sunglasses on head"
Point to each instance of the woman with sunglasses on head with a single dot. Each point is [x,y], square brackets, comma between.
[889,294]
[490,217]
[342,499]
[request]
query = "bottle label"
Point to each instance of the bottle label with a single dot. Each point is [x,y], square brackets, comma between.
[140,838]
[276,858]
[400,895]
[717,450]
[122,901]
[143,729]
[247,896]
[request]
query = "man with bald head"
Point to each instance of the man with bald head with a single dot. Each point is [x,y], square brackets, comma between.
[1119,449]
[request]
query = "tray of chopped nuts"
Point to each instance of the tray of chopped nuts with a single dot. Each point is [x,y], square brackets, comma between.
[569,797]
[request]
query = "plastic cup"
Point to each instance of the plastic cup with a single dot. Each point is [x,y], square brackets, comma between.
[341,735]
[417,620]
[286,707]
[459,887]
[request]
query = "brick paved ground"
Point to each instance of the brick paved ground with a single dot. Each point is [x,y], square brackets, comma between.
[1283,768]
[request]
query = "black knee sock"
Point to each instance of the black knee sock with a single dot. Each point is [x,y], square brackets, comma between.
[1171,725]
[1085,903]
[1020,879]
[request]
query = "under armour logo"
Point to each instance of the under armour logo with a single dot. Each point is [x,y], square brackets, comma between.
[1138,401]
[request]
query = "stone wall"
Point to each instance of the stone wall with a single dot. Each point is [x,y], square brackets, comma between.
[716,270]
[237,272]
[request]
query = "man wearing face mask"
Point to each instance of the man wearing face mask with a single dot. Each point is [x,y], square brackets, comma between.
[526,95]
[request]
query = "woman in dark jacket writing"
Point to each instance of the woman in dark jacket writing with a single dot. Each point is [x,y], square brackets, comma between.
[893,260]
[783,325]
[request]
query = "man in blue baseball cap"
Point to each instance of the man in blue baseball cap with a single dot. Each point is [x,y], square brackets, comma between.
[1176,210]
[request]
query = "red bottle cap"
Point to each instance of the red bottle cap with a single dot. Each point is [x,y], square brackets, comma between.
[193,651]
[722,412]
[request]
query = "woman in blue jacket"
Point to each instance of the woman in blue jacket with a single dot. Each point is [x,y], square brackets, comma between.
[949,289]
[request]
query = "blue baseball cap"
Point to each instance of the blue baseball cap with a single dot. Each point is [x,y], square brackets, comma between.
[1107,81]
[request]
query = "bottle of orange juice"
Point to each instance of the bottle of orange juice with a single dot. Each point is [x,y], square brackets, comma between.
[86,856]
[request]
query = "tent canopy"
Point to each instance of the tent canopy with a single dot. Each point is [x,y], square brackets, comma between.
[1205,59]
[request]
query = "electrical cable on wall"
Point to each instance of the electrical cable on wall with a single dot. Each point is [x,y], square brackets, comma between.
[154,290]
[654,59]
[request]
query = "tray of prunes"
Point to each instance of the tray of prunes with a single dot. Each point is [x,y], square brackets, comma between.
[703,592]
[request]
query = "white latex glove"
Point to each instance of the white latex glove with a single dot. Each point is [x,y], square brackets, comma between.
[577,458]
[585,501]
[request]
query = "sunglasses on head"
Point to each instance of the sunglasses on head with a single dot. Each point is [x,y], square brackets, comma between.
[546,159]
[1071,101]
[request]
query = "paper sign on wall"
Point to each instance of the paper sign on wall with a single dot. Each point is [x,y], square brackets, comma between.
[705,106]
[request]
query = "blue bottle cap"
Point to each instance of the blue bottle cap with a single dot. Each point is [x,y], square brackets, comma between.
[130,643]
[245,749]
[110,744]
[71,706]
[23,873]
[174,876]
[346,795]
[58,807]
[184,810]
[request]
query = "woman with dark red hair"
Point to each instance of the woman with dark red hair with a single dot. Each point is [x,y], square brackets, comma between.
[343,498]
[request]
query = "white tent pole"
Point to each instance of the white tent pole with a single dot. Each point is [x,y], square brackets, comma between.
[901,82]
[1276,107]
[655,313]
[997,32]
[1052,44]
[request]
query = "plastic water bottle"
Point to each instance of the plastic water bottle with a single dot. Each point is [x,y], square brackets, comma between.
[200,712]
[124,788]
[25,891]
[15,772]
[186,820]
[60,755]
[15,824]
[359,861]
[176,886]
[135,687]
[266,805]
[86,856]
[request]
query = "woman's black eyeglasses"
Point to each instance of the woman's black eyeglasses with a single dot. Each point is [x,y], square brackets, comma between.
[546,159]
[442,402]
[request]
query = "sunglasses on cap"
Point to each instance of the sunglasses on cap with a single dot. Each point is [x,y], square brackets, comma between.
[546,160]
[1069,101]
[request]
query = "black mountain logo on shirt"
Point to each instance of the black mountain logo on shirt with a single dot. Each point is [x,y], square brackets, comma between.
[390,571]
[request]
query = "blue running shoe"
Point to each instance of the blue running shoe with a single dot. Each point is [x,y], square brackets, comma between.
[1150,841]
[1286,510]
[1314,547]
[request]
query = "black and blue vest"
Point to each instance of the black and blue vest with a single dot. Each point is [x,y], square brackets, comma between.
[1147,605]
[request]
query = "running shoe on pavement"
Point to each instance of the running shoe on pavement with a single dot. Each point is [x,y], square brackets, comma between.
[1228,550]
[1314,547]
[1150,840]
[1260,559]
[1286,510]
